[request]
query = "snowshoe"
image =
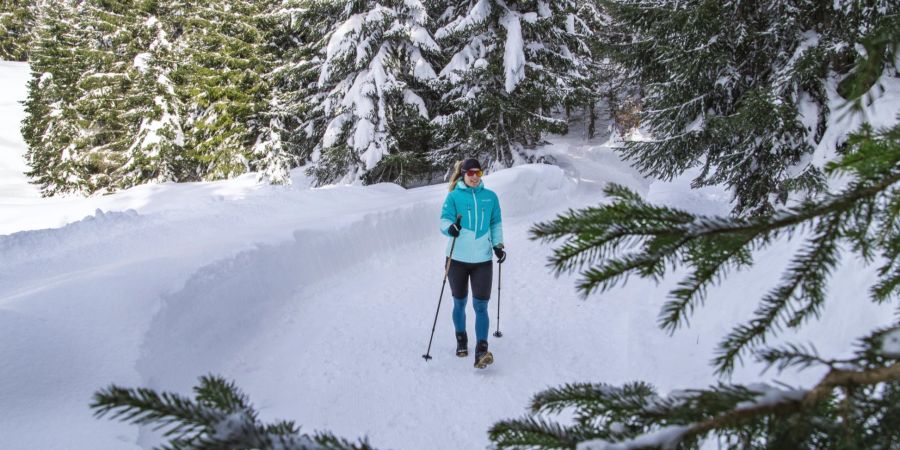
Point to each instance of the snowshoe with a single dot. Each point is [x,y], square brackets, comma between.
[482,356]
[462,344]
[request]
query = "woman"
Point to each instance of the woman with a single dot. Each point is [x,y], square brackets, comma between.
[471,216]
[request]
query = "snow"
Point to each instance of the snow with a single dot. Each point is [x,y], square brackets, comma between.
[890,344]
[318,303]
[141,61]
[340,42]
[770,395]
[420,36]
[478,14]
[470,55]
[544,9]
[422,70]
[514,53]
[665,438]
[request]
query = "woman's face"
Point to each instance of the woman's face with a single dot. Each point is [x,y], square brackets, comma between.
[472,177]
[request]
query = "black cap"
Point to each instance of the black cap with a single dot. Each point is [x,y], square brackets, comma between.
[470,164]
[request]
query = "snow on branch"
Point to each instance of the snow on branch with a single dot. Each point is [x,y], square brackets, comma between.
[514,53]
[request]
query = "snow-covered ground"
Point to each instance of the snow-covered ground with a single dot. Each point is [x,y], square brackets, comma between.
[319,303]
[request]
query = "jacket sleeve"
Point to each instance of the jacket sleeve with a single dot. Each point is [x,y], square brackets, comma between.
[448,214]
[496,223]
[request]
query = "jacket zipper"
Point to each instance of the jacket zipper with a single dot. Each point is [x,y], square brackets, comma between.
[469,214]
[481,225]
[476,209]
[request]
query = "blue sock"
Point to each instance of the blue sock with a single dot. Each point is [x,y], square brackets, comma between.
[459,314]
[482,321]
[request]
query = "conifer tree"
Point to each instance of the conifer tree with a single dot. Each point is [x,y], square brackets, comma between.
[374,79]
[743,90]
[157,149]
[101,114]
[220,82]
[220,417]
[298,36]
[611,94]
[15,29]
[109,107]
[510,67]
[855,405]
[49,127]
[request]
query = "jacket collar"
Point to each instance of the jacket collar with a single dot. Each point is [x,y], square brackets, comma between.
[461,184]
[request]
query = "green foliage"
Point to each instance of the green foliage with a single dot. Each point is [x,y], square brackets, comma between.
[176,90]
[855,406]
[740,89]
[101,113]
[863,215]
[219,417]
[16,20]
[369,114]
[50,127]
[220,81]
[482,114]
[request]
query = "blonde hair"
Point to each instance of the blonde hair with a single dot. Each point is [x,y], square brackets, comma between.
[457,168]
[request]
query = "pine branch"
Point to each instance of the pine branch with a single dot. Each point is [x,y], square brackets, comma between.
[793,355]
[741,415]
[807,274]
[594,401]
[533,432]
[630,237]
[220,418]
[144,406]
[720,256]
[834,379]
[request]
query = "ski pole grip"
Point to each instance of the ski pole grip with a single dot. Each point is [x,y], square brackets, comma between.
[458,220]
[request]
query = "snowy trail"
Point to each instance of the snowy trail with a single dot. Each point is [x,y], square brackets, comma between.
[345,315]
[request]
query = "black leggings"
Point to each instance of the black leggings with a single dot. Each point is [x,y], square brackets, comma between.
[480,274]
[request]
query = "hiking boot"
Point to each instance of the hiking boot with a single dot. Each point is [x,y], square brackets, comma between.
[482,356]
[462,344]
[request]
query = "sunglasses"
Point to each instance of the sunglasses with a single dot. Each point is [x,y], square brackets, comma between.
[474,172]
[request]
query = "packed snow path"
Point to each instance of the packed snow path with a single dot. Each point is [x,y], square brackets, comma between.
[319,304]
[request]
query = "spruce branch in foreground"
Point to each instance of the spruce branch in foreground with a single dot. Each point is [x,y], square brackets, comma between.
[220,417]
[855,405]
[631,237]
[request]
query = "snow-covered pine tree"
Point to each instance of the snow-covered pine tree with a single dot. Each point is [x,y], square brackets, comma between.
[298,34]
[100,113]
[219,417]
[50,125]
[16,20]
[611,94]
[855,405]
[157,148]
[109,108]
[220,81]
[374,76]
[510,66]
[743,89]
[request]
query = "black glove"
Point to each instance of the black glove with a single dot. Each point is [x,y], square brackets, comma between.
[454,228]
[501,254]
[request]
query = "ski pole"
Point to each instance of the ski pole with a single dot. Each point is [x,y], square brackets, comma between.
[499,275]
[427,354]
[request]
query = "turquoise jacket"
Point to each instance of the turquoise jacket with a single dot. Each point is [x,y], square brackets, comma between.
[481,223]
